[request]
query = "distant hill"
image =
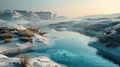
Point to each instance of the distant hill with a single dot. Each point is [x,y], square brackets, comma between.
[102,16]
[26,15]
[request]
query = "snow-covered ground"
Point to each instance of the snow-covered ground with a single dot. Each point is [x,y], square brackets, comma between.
[40,61]
[15,45]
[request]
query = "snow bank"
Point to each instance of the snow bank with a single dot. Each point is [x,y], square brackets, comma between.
[40,61]
[43,61]
[7,62]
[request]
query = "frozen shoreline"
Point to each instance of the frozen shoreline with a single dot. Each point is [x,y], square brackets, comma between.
[111,53]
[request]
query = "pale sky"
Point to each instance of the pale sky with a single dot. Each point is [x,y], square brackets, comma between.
[71,8]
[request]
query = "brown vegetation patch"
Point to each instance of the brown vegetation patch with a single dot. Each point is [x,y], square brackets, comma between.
[4,28]
[24,61]
[35,30]
[4,31]
[6,35]
[26,32]
[7,40]
[26,39]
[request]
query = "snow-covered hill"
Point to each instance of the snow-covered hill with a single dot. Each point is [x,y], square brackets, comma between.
[26,15]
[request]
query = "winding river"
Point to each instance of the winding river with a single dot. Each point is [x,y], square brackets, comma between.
[72,50]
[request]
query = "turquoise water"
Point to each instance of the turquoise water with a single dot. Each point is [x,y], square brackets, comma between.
[72,50]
